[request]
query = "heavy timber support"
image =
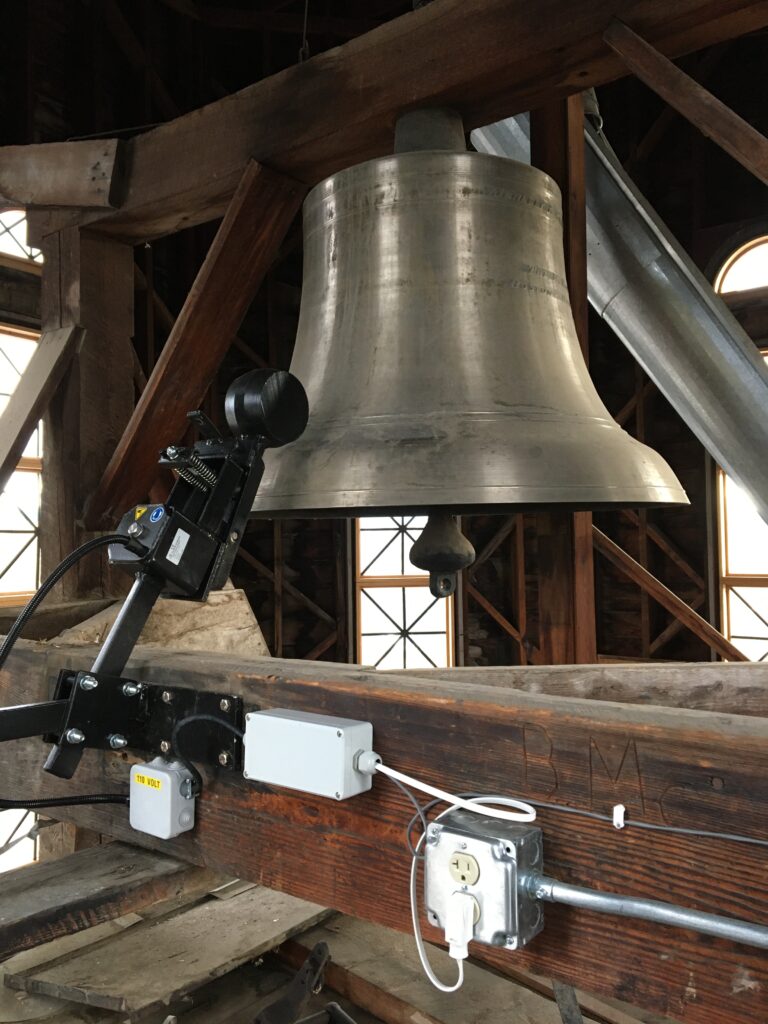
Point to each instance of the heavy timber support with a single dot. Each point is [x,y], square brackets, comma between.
[565,744]
[87,284]
[567,629]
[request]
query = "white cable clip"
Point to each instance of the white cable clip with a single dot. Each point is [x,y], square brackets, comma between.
[619,815]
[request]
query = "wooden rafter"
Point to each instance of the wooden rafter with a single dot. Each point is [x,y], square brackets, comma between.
[245,245]
[709,114]
[82,174]
[488,59]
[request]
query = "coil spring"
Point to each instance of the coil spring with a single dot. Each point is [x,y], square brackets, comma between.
[190,478]
[200,469]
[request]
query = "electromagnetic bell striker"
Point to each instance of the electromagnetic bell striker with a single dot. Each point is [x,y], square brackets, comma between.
[438,350]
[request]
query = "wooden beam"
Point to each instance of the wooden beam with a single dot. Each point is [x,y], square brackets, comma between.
[567,626]
[60,897]
[627,565]
[711,116]
[669,766]
[83,174]
[488,59]
[38,382]
[256,222]
[88,283]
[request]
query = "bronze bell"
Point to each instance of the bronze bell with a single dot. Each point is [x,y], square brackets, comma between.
[438,349]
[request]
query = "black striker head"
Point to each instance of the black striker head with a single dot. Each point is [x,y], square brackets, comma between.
[267,403]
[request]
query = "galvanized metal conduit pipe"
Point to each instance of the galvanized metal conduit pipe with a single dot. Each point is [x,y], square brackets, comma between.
[664,310]
[550,890]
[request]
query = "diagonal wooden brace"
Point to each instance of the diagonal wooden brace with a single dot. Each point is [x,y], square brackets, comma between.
[256,221]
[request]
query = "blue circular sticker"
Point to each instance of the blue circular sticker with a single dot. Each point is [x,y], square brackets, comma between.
[156,514]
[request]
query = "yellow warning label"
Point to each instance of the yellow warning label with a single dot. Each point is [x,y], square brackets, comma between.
[147,780]
[139,511]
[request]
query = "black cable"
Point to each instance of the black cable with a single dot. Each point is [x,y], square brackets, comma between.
[197,785]
[595,816]
[63,801]
[64,566]
[13,635]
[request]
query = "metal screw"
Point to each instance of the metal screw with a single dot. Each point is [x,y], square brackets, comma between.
[88,683]
[225,703]
[165,746]
[172,452]
[166,696]
[338,796]
[234,535]
[131,689]
[135,530]
[339,733]
[462,846]
[117,742]
[74,736]
[224,759]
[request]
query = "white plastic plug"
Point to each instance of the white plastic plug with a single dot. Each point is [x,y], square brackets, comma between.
[460,924]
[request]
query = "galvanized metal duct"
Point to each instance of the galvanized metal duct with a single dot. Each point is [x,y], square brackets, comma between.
[664,310]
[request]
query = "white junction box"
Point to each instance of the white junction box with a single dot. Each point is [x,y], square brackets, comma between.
[159,800]
[312,753]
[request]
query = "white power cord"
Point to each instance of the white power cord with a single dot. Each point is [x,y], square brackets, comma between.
[522,811]
[459,926]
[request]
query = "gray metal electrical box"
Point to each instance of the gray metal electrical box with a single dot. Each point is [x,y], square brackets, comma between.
[486,857]
[312,753]
[160,802]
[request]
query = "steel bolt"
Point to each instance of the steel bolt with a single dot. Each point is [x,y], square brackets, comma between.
[117,742]
[135,530]
[225,759]
[233,536]
[88,683]
[165,746]
[225,703]
[166,696]
[131,689]
[172,452]
[74,736]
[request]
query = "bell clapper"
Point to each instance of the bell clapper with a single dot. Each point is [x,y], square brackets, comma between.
[443,550]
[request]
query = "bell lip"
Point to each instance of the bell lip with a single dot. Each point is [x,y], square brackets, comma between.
[458,509]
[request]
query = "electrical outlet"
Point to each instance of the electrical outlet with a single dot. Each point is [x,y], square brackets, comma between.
[467,851]
[464,868]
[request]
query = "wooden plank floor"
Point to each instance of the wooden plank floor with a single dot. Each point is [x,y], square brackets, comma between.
[156,964]
[62,896]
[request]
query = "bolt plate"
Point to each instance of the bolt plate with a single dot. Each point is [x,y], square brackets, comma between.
[146,720]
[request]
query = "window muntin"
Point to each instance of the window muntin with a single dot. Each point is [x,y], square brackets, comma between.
[399,623]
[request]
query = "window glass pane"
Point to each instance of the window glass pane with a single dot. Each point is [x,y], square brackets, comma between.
[746,535]
[382,652]
[385,545]
[13,236]
[748,620]
[748,270]
[23,852]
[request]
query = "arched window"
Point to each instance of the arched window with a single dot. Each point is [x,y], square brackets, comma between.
[743,534]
